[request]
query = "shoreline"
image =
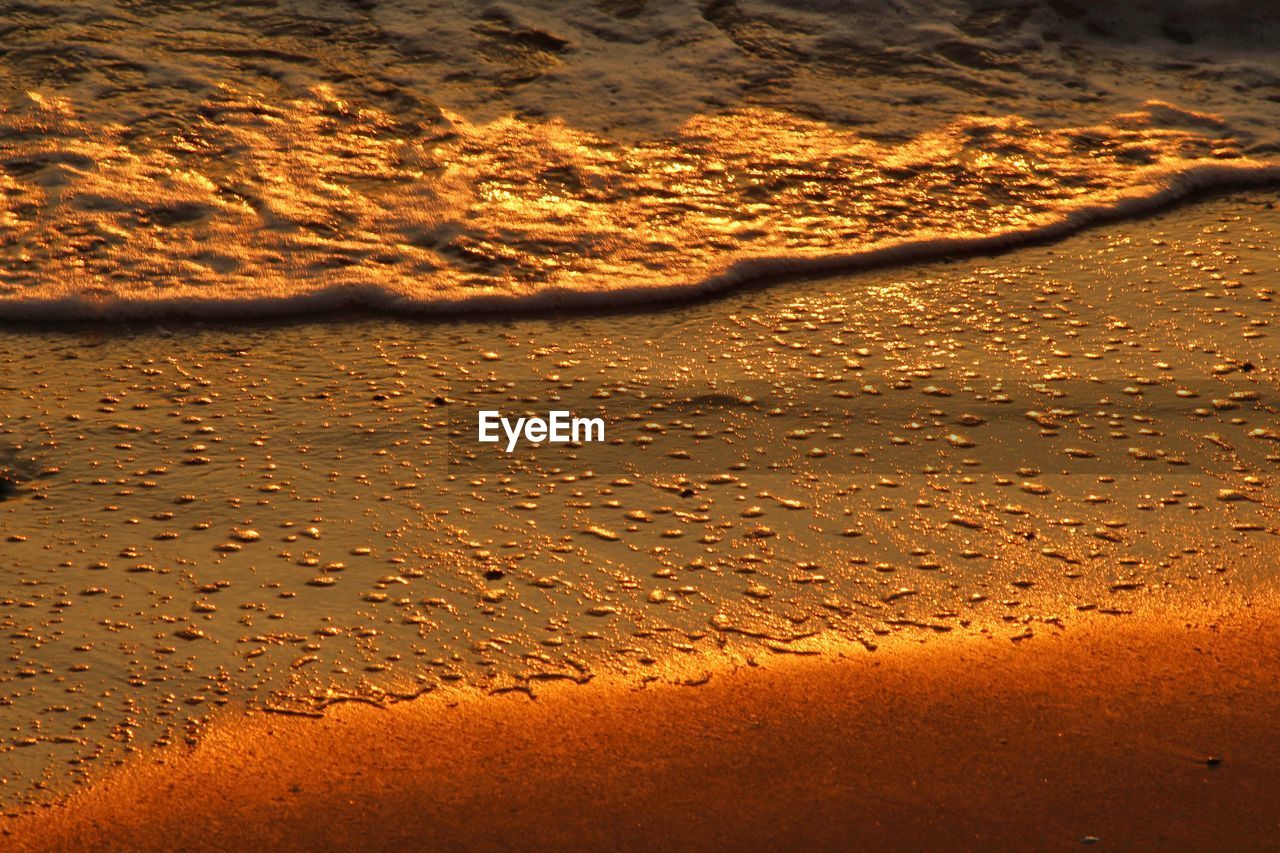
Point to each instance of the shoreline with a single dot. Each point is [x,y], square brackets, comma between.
[742,276]
[256,516]
[627,426]
[961,743]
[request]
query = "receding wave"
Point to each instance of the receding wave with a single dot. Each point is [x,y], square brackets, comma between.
[275,161]
[311,204]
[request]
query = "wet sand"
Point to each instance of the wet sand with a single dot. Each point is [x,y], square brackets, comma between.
[978,550]
[1138,733]
[215,519]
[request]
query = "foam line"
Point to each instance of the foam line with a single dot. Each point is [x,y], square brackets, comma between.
[1178,186]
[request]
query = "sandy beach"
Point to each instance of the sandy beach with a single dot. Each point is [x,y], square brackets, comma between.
[1130,734]
[950,548]
[931,498]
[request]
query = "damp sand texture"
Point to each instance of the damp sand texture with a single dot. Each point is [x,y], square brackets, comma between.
[285,518]
[826,507]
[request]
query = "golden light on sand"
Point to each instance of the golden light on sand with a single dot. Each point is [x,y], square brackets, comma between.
[948,522]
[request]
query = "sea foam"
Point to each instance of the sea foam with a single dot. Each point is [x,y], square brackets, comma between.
[514,158]
[314,205]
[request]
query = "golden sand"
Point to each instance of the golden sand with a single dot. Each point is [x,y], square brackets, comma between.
[1145,733]
[296,516]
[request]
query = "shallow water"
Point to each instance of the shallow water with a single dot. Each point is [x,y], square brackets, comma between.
[246,159]
[284,516]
